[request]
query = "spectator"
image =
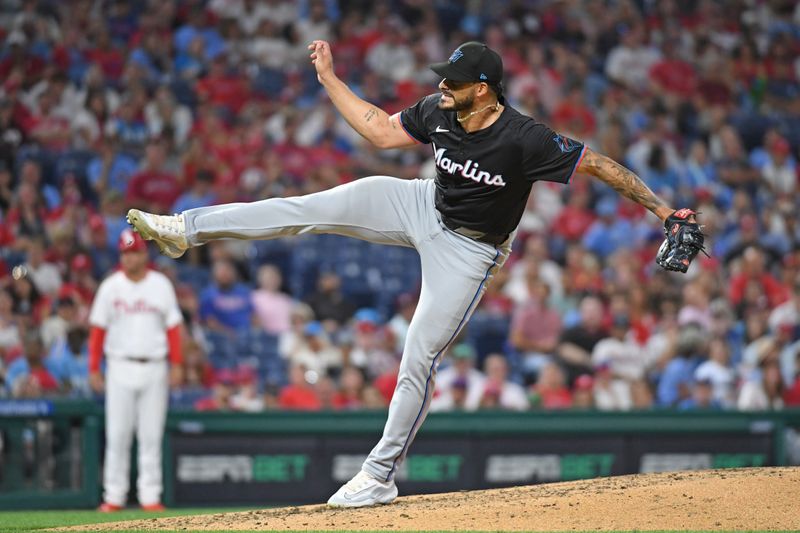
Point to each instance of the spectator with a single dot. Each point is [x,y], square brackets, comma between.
[609,232]
[44,275]
[497,391]
[611,393]
[676,381]
[351,392]
[535,327]
[198,25]
[221,393]
[29,304]
[315,352]
[226,306]
[459,385]
[247,397]
[763,388]
[582,396]
[631,61]
[329,303]
[754,275]
[201,193]
[299,394]
[164,116]
[621,352]
[398,324]
[577,343]
[272,307]
[702,397]
[153,187]
[54,328]
[373,346]
[9,330]
[27,376]
[101,257]
[550,390]
[111,168]
[68,361]
[718,373]
[198,374]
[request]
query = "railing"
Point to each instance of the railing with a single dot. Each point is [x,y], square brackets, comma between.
[52,451]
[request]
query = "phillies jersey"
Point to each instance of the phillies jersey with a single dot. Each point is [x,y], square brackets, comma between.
[483,178]
[135,314]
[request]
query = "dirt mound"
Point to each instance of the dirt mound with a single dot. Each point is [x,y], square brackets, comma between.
[741,499]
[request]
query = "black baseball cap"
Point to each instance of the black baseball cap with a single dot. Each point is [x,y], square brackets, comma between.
[472,61]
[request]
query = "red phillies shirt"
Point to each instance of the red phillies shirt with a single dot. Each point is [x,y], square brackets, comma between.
[775,292]
[46,380]
[158,189]
[299,398]
[675,76]
[572,222]
[230,92]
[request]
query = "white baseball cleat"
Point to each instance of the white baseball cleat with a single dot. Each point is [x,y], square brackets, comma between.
[167,231]
[364,490]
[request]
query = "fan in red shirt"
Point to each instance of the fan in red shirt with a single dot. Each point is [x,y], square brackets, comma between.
[351,394]
[574,116]
[299,394]
[153,187]
[223,88]
[672,75]
[753,271]
[550,390]
[576,217]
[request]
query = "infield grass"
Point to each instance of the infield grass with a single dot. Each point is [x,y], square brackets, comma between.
[36,521]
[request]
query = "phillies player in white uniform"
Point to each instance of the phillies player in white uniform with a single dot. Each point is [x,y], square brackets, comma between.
[136,322]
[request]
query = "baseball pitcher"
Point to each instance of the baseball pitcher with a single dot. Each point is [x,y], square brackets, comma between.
[462,223]
[135,321]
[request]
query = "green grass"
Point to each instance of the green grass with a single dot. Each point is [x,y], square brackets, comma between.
[35,521]
[28,521]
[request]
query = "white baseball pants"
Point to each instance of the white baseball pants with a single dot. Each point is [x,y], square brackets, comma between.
[386,210]
[137,395]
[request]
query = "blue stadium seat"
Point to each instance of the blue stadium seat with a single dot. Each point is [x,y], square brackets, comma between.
[198,277]
[184,399]
[221,350]
[488,334]
[278,252]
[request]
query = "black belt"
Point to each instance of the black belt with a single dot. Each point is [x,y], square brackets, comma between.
[142,359]
[475,235]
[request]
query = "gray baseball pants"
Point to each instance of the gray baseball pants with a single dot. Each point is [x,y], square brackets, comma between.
[384,210]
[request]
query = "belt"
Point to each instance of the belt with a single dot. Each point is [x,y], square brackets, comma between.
[475,235]
[142,359]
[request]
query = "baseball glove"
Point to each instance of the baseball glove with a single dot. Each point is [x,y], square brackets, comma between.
[684,240]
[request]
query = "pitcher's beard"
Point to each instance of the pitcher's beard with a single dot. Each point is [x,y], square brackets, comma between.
[457,105]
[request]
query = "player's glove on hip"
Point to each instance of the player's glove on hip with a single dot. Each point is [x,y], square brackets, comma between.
[684,240]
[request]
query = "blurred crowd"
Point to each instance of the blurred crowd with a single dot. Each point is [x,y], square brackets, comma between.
[167,105]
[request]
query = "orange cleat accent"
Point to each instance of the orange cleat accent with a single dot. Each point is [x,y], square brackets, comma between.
[106,507]
[154,508]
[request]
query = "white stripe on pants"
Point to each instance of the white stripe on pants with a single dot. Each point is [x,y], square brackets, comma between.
[381,209]
[136,400]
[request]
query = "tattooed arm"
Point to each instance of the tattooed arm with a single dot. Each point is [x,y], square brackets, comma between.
[374,124]
[624,182]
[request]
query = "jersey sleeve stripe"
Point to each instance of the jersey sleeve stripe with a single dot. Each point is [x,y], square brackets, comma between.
[577,163]
[411,136]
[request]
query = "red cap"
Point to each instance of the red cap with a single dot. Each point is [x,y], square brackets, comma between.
[130,241]
[96,223]
[781,146]
[81,262]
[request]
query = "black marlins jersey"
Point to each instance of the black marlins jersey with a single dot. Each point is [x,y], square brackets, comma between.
[483,178]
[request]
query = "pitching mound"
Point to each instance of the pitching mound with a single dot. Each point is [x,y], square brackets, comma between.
[741,499]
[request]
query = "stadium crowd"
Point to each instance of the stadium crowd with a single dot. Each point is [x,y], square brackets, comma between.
[167,105]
